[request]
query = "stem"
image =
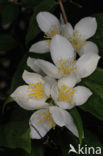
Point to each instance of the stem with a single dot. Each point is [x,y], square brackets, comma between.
[63,11]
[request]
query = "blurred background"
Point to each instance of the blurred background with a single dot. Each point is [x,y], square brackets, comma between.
[18,31]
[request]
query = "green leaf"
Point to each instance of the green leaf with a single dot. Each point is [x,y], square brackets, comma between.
[17,78]
[33,30]
[78,121]
[95,103]
[37,149]
[7,42]
[8,100]
[64,142]
[9,13]
[90,140]
[98,37]
[15,133]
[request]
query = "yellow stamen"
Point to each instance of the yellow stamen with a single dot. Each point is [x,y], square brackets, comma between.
[47,116]
[48,43]
[66,94]
[52,32]
[37,91]
[76,41]
[66,66]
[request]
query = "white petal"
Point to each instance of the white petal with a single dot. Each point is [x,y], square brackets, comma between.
[47,89]
[40,47]
[70,81]
[58,115]
[31,64]
[81,95]
[46,20]
[67,30]
[30,78]
[71,126]
[87,64]
[61,48]
[89,47]
[63,118]
[86,27]
[61,19]
[21,96]
[37,129]
[48,68]
[65,105]
[54,92]
[49,80]
[54,95]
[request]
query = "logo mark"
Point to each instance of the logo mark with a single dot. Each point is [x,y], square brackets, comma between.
[85,150]
[72,149]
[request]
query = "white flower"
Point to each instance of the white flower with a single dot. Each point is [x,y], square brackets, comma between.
[43,120]
[83,30]
[65,62]
[33,95]
[67,96]
[51,26]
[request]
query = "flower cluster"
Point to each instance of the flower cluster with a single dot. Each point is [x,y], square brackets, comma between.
[52,88]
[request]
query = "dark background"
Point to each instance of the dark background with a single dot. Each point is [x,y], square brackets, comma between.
[9,60]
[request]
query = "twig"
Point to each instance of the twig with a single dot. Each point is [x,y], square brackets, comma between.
[63,11]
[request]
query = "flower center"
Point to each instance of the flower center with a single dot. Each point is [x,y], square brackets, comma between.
[37,91]
[52,32]
[48,43]
[66,66]
[47,116]
[66,94]
[76,41]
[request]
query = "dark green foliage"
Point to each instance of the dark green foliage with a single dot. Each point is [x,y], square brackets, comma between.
[18,29]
